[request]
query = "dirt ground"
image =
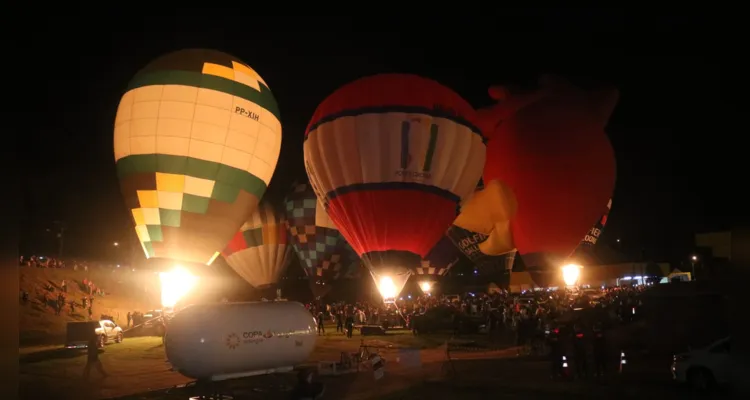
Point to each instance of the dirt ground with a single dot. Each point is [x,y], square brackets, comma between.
[126,290]
[138,365]
[138,370]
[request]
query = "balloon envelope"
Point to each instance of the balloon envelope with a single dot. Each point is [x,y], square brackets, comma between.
[468,243]
[592,237]
[584,253]
[391,156]
[351,264]
[259,251]
[440,259]
[315,238]
[196,140]
[550,149]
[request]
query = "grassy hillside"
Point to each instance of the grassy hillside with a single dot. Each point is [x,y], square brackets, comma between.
[125,290]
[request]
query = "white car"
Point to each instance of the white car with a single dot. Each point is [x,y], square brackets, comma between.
[704,368]
[79,333]
[107,331]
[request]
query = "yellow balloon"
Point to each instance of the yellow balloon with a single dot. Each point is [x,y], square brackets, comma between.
[489,212]
[196,140]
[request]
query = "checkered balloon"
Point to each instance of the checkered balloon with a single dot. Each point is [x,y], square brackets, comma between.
[351,263]
[321,249]
[440,259]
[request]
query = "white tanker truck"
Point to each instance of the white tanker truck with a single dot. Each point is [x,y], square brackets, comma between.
[233,340]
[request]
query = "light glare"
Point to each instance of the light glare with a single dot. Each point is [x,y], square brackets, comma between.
[174,285]
[571,273]
[387,288]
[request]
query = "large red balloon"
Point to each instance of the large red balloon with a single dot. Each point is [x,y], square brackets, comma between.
[550,148]
[390,157]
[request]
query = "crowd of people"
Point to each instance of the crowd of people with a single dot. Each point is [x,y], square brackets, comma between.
[533,320]
[56,297]
[37,261]
[40,262]
[537,321]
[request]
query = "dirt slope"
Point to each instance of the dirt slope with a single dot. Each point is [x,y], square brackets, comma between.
[125,290]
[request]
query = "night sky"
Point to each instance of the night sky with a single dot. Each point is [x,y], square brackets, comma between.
[668,77]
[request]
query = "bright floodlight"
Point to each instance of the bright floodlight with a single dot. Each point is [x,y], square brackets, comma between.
[390,285]
[695,258]
[571,273]
[426,286]
[174,285]
[387,288]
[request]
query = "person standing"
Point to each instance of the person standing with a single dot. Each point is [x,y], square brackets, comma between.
[321,323]
[92,359]
[130,318]
[349,325]
[340,321]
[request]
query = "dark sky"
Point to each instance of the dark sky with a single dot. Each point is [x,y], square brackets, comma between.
[663,131]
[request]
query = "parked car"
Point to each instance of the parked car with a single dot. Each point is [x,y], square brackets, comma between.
[704,368]
[78,333]
[107,331]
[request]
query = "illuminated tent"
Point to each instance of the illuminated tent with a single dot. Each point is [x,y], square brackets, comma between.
[520,281]
[552,162]
[322,251]
[391,156]
[492,288]
[259,251]
[196,140]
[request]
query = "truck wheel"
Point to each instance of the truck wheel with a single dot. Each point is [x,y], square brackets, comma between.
[118,338]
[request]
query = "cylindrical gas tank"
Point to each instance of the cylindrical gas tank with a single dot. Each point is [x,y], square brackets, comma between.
[232,340]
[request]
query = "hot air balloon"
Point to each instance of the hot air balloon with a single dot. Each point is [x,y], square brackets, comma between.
[196,139]
[259,251]
[351,264]
[440,259]
[390,157]
[315,238]
[584,253]
[593,236]
[552,163]
[436,264]
[469,242]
